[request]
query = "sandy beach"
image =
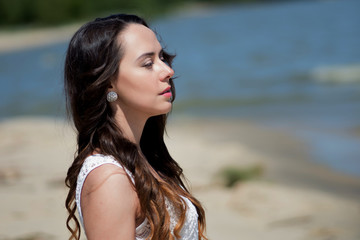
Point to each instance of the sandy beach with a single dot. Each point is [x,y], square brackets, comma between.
[16,40]
[294,198]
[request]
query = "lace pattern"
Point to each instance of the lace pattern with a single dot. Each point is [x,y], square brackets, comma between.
[189,230]
[190,227]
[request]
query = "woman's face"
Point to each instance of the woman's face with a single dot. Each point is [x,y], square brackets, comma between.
[143,80]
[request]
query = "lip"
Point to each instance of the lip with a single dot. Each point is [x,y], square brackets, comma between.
[166,91]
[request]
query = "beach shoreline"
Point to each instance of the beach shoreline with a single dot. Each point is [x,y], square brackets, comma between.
[285,157]
[17,40]
[12,40]
[36,153]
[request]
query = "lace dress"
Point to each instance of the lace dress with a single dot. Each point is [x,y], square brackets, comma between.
[190,227]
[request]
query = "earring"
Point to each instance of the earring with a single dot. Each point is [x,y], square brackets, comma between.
[111,96]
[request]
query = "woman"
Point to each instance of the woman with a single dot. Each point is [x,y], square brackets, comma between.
[123,181]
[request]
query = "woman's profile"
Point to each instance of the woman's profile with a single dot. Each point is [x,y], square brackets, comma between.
[123,182]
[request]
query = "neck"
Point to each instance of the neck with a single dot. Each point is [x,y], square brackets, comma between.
[131,124]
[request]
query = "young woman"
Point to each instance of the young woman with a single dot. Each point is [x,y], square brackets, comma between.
[123,181]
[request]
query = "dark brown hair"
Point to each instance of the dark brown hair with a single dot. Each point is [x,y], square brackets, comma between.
[92,62]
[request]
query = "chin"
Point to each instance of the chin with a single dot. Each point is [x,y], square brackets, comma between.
[165,110]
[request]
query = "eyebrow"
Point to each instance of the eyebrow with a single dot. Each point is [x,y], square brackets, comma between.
[148,54]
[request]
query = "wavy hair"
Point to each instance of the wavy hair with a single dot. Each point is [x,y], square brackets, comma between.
[92,62]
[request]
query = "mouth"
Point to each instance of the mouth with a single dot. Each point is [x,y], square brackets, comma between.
[167,90]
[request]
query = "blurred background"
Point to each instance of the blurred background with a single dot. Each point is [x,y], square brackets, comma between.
[287,66]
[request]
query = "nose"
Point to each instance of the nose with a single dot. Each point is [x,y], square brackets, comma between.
[166,72]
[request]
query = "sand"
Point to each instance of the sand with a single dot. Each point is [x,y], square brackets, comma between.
[36,152]
[16,40]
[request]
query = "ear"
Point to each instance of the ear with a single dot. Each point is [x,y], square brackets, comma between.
[111,86]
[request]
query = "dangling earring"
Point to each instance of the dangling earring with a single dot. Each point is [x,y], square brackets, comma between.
[111,96]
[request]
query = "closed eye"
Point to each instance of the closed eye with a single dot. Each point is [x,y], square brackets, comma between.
[148,64]
[149,58]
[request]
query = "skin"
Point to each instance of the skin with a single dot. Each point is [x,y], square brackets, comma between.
[143,76]
[141,79]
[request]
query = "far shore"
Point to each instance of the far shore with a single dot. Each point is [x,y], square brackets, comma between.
[21,39]
[30,38]
[294,198]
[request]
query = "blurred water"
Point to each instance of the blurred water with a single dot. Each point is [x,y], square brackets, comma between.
[282,64]
[31,82]
[293,66]
[265,54]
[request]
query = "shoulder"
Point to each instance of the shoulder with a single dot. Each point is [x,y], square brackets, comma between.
[96,161]
[108,196]
[104,176]
[100,169]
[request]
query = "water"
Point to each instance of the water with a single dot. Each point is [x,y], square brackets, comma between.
[292,66]
[31,82]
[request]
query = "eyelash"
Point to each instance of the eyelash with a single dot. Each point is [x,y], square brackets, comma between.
[149,65]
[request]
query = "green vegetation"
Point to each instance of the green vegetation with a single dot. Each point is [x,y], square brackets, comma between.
[54,12]
[232,175]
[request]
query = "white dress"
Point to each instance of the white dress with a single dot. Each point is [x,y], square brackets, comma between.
[190,227]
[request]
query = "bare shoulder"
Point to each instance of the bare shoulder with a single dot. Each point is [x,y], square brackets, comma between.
[103,176]
[109,197]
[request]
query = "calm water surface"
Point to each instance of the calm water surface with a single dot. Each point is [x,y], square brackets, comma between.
[293,66]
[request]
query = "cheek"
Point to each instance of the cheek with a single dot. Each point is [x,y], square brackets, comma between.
[136,87]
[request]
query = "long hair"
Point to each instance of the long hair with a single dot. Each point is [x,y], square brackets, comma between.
[92,62]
